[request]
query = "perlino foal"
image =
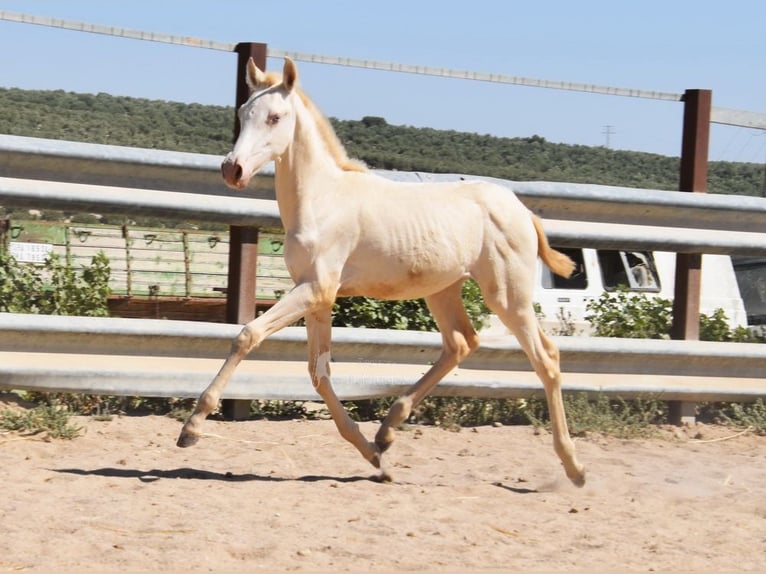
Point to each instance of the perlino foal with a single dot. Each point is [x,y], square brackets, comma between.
[351,232]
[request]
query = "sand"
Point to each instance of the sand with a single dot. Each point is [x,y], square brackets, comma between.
[293,496]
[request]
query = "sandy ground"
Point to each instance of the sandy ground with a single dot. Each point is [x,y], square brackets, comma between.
[292,496]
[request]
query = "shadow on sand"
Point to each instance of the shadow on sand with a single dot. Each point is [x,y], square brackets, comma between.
[196,474]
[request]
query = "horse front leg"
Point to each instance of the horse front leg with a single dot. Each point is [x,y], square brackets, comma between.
[319,328]
[289,309]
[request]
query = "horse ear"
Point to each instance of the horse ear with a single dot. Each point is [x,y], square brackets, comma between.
[254,76]
[289,75]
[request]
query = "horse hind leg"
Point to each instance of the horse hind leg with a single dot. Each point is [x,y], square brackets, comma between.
[459,340]
[544,356]
[562,443]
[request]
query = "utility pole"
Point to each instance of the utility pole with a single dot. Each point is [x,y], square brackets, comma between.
[608,131]
[763,185]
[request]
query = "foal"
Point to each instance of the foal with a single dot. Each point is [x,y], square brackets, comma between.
[350,232]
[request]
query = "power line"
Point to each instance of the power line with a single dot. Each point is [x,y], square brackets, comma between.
[338,60]
[115,31]
[724,116]
[476,76]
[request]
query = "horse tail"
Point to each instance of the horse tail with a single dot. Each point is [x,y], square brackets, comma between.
[559,263]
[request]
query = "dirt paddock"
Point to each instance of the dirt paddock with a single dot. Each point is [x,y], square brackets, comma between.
[292,496]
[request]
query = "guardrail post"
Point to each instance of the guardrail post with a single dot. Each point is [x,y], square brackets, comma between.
[693,178]
[243,241]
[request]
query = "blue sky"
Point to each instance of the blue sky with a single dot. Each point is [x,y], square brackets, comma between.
[652,44]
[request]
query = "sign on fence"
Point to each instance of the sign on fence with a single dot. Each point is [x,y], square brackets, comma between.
[30,252]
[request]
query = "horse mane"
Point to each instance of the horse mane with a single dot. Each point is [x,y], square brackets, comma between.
[330,138]
[328,135]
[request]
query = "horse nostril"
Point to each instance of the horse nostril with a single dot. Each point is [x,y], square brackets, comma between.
[232,171]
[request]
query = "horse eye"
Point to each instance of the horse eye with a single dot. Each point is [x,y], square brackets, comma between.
[273,119]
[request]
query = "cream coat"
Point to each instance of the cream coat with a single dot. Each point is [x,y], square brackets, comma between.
[351,232]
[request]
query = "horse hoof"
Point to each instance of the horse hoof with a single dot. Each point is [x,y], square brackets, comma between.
[382,477]
[578,479]
[375,459]
[187,439]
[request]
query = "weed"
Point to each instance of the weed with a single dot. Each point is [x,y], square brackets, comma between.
[751,415]
[278,409]
[49,419]
[615,417]
[451,412]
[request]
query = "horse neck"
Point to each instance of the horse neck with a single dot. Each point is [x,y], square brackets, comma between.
[299,171]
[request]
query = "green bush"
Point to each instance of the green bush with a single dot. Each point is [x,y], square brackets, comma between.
[410,315]
[638,316]
[54,288]
[630,315]
[715,327]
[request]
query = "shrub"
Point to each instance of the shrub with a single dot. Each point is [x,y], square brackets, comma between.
[410,315]
[630,315]
[638,316]
[52,289]
[55,288]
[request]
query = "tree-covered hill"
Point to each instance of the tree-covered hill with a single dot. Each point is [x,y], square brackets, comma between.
[207,129]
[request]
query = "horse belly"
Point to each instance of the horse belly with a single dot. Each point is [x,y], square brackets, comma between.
[410,263]
[395,285]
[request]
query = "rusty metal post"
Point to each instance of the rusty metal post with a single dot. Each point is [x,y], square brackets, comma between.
[693,178]
[243,241]
[5,240]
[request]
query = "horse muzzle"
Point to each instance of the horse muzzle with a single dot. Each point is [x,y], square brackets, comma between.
[233,172]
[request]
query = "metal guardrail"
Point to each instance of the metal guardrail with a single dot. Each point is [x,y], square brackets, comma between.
[166,358]
[728,224]
[98,164]
[178,358]
[23,193]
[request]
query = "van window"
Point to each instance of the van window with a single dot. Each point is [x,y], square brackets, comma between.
[579,278]
[751,278]
[634,270]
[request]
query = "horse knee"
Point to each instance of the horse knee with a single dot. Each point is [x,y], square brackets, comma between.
[462,344]
[243,342]
[547,368]
[472,340]
[553,353]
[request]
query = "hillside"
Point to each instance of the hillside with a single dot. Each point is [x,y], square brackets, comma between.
[139,122]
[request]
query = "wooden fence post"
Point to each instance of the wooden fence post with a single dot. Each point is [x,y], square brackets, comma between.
[693,178]
[243,241]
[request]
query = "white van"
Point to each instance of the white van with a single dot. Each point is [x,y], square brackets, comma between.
[563,301]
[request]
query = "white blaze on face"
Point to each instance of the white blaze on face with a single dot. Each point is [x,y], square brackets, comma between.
[322,368]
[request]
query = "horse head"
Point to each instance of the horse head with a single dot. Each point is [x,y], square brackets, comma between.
[267,123]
